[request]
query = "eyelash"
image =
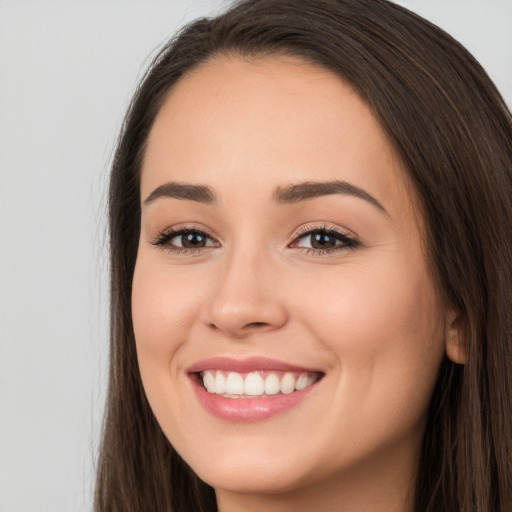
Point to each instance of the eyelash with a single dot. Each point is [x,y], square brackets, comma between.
[163,240]
[348,242]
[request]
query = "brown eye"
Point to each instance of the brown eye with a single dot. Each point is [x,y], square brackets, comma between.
[192,240]
[324,241]
[320,240]
[185,240]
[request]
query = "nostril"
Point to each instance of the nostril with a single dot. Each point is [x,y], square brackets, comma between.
[254,325]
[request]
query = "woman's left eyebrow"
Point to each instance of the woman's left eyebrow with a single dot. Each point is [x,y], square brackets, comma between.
[310,189]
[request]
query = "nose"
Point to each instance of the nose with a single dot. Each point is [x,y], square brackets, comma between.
[246,299]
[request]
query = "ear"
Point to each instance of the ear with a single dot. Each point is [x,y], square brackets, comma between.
[456,348]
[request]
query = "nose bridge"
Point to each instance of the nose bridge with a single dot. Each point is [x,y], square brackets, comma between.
[244,299]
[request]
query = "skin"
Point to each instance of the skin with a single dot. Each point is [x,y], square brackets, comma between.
[368,317]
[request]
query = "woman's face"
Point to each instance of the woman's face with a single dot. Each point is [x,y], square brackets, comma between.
[280,262]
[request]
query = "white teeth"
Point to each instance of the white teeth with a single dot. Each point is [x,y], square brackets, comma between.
[287,384]
[304,381]
[209,382]
[220,383]
[235,384]
[255,383]
[272,384]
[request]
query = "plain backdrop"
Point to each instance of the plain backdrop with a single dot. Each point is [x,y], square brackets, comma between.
[67,71]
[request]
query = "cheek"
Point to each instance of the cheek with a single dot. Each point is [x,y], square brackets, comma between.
[359,308]
[163,307]
[385,331]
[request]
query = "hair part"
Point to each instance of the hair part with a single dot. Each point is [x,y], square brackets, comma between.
[453,132]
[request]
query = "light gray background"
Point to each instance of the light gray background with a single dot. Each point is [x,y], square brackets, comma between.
[67,70]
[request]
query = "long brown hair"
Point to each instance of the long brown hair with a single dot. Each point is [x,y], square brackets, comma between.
[453,132]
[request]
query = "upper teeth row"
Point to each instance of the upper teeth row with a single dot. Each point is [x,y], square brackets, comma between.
[255,384]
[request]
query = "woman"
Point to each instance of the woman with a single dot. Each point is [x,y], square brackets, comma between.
[310,214]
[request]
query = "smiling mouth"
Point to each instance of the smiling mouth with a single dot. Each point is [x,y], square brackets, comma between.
[252,389]
[255,384]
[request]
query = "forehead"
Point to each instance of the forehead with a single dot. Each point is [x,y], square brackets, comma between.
[262,122]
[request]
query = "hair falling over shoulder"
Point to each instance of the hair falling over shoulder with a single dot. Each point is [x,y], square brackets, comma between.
[453,132]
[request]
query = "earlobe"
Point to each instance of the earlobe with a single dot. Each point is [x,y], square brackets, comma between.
[456,348]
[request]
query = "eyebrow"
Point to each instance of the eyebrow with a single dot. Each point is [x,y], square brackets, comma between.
[284,195]
[199,193]
[312,189]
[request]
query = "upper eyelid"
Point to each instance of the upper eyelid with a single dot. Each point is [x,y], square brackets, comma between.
[302,230]
[176,230]
[308,229]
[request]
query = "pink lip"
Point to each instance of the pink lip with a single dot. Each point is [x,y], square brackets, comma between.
[246,409]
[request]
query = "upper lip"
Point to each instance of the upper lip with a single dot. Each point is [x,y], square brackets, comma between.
[247,365]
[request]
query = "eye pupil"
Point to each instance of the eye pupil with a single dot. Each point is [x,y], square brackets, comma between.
[193,240]
[322,241]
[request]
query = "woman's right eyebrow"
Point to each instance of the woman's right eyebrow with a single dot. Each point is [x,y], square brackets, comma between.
[174,190]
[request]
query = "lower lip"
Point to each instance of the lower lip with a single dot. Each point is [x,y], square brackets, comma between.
[248,409]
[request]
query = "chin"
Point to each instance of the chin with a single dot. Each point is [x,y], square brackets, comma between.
[260,477]
[258,465]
